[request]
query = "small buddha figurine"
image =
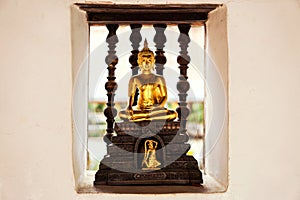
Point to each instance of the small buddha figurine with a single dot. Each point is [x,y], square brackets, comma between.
[150,156]
[152,93]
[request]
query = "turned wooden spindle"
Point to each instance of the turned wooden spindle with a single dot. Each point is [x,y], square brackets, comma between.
[111,60]
[183,85]
[135,38]
[160,40]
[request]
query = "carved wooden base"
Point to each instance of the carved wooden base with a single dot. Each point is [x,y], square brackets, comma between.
[178,173]
[123,165]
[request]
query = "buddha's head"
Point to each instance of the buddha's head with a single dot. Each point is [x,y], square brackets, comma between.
[150,144]
[146,58]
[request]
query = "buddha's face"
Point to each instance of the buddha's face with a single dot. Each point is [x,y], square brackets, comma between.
[146,62]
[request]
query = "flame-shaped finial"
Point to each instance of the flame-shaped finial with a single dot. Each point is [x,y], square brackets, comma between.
[146,44]
[146,50]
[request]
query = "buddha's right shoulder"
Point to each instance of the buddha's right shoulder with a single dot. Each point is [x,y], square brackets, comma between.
[134,79]
[135,76]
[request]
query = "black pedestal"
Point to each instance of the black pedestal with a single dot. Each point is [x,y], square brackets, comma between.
[122,165]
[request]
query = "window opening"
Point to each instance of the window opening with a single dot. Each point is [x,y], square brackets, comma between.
[216,145]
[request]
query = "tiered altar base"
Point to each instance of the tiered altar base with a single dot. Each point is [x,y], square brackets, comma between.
[122,165]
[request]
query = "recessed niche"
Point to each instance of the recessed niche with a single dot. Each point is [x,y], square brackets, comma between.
[214,166]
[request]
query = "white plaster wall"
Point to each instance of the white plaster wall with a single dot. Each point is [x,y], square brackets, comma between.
[264,96]
[80,60]
[36,89]
[216,104]
[35,105]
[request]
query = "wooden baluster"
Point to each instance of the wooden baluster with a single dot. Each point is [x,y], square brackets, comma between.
[183,85]
[160,40]
[135,39]
[111,60]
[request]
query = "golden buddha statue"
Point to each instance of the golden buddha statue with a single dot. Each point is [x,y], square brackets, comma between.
[150,156]
[152,92]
